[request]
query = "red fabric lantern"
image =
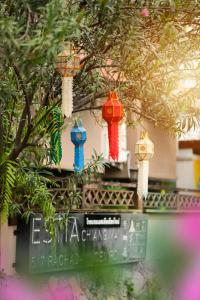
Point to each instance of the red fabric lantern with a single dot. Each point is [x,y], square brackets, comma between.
[113,112]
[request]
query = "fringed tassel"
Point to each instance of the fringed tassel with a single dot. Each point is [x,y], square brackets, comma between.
[143,172]
[79,158]
[113,136]
[67,96]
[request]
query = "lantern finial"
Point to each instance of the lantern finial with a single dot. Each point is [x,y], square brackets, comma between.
[76,123]
[144,134]
[113,95]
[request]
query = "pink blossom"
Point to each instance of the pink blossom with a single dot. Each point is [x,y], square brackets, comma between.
[15,289]
[60,290]
[144,12]
[189,286]
[188,232]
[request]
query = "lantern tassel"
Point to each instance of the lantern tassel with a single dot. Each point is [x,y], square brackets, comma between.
[143,172]
[79,158]
[67,96]
[113,136]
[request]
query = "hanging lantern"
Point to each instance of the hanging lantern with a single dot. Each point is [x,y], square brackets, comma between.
[56,147]
[144,150]
[78,138]
[113,112]
[67,64]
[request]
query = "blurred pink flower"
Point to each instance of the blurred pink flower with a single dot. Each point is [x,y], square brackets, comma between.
[15,289]
[188,231]
[189,286]
[60,290]
[144,12]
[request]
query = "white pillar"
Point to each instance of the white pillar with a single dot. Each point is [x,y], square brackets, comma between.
[7,248]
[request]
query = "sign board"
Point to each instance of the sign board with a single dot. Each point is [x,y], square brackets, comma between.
[100,220]
[84,239]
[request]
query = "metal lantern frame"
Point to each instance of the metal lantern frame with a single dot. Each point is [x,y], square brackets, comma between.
[144,148]
[68,63]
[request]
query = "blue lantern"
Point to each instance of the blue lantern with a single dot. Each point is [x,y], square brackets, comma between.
[78,138]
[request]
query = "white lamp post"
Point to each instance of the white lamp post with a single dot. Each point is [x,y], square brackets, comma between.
[144,150]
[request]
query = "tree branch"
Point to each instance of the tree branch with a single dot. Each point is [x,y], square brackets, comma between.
[21,126]
[26,96]
[93,67]
[79,103]
[45,100]
[28,22]
[87,57]
[26,113]
[1,135]
[88,108]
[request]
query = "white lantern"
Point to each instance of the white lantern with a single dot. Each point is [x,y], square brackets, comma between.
[144,150]
[67,64]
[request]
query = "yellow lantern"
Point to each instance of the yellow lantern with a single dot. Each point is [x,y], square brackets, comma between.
[67,64]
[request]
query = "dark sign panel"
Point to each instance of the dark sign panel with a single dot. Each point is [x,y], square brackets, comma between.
[81,240]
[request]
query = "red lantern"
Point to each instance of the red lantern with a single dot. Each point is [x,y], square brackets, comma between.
[113,112]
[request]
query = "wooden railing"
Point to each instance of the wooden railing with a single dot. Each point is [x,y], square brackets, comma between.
[98,196]
[114,195]
[172,201]
[65,199]
[94,197]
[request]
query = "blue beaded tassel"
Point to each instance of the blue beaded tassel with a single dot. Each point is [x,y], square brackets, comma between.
[78,158]
[78,138]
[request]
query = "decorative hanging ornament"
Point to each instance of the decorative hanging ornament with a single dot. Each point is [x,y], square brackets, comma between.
[144,150]
[78,138]
[113,112]
[56,124]
[145,12]
[67,64]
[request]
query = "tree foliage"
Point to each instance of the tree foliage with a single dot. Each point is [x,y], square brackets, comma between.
[145,58]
